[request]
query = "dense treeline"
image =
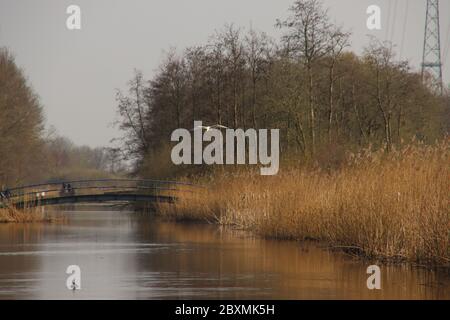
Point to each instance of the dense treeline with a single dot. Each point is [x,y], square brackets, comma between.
[28,153]
[324,98]
[21,124]
[65,160]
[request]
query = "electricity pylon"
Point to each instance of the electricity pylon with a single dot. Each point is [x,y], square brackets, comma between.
[432,64]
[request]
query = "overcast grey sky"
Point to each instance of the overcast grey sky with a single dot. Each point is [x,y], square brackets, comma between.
[75,73]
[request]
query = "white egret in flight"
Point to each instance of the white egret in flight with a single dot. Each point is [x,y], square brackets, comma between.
[207,128]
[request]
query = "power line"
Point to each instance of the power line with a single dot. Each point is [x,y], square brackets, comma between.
[394,19]
[447,46]
[388,19]
[405,22]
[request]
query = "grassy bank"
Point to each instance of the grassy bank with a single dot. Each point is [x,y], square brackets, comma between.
[13,215]
[391,206]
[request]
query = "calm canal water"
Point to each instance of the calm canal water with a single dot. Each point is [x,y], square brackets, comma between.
[123,255]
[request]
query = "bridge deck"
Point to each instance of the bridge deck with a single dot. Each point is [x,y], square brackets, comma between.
[88,191]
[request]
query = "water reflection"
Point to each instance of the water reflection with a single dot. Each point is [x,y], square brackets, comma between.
[124,255]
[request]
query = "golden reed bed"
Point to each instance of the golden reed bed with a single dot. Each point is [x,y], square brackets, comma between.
[390,206]
[14,215]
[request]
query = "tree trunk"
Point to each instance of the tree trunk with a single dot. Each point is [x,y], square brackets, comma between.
[312,115]
[399,123]
[219,107]
[330,101]
[235,104]
[254,103]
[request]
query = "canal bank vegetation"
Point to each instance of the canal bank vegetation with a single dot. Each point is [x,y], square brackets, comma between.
[391,206]
[13,215]
[21,124]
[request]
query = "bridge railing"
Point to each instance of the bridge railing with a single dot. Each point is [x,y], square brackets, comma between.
[100,186]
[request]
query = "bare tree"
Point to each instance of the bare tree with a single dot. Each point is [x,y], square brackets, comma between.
[234,59]
[216,76]
[307,39]
[338,41]
[133,110]
[389,84]
[196,70]
[258,56]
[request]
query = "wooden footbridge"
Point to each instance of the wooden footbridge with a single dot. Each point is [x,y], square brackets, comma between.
[88,191]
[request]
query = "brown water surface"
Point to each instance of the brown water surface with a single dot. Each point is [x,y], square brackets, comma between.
[123,255]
